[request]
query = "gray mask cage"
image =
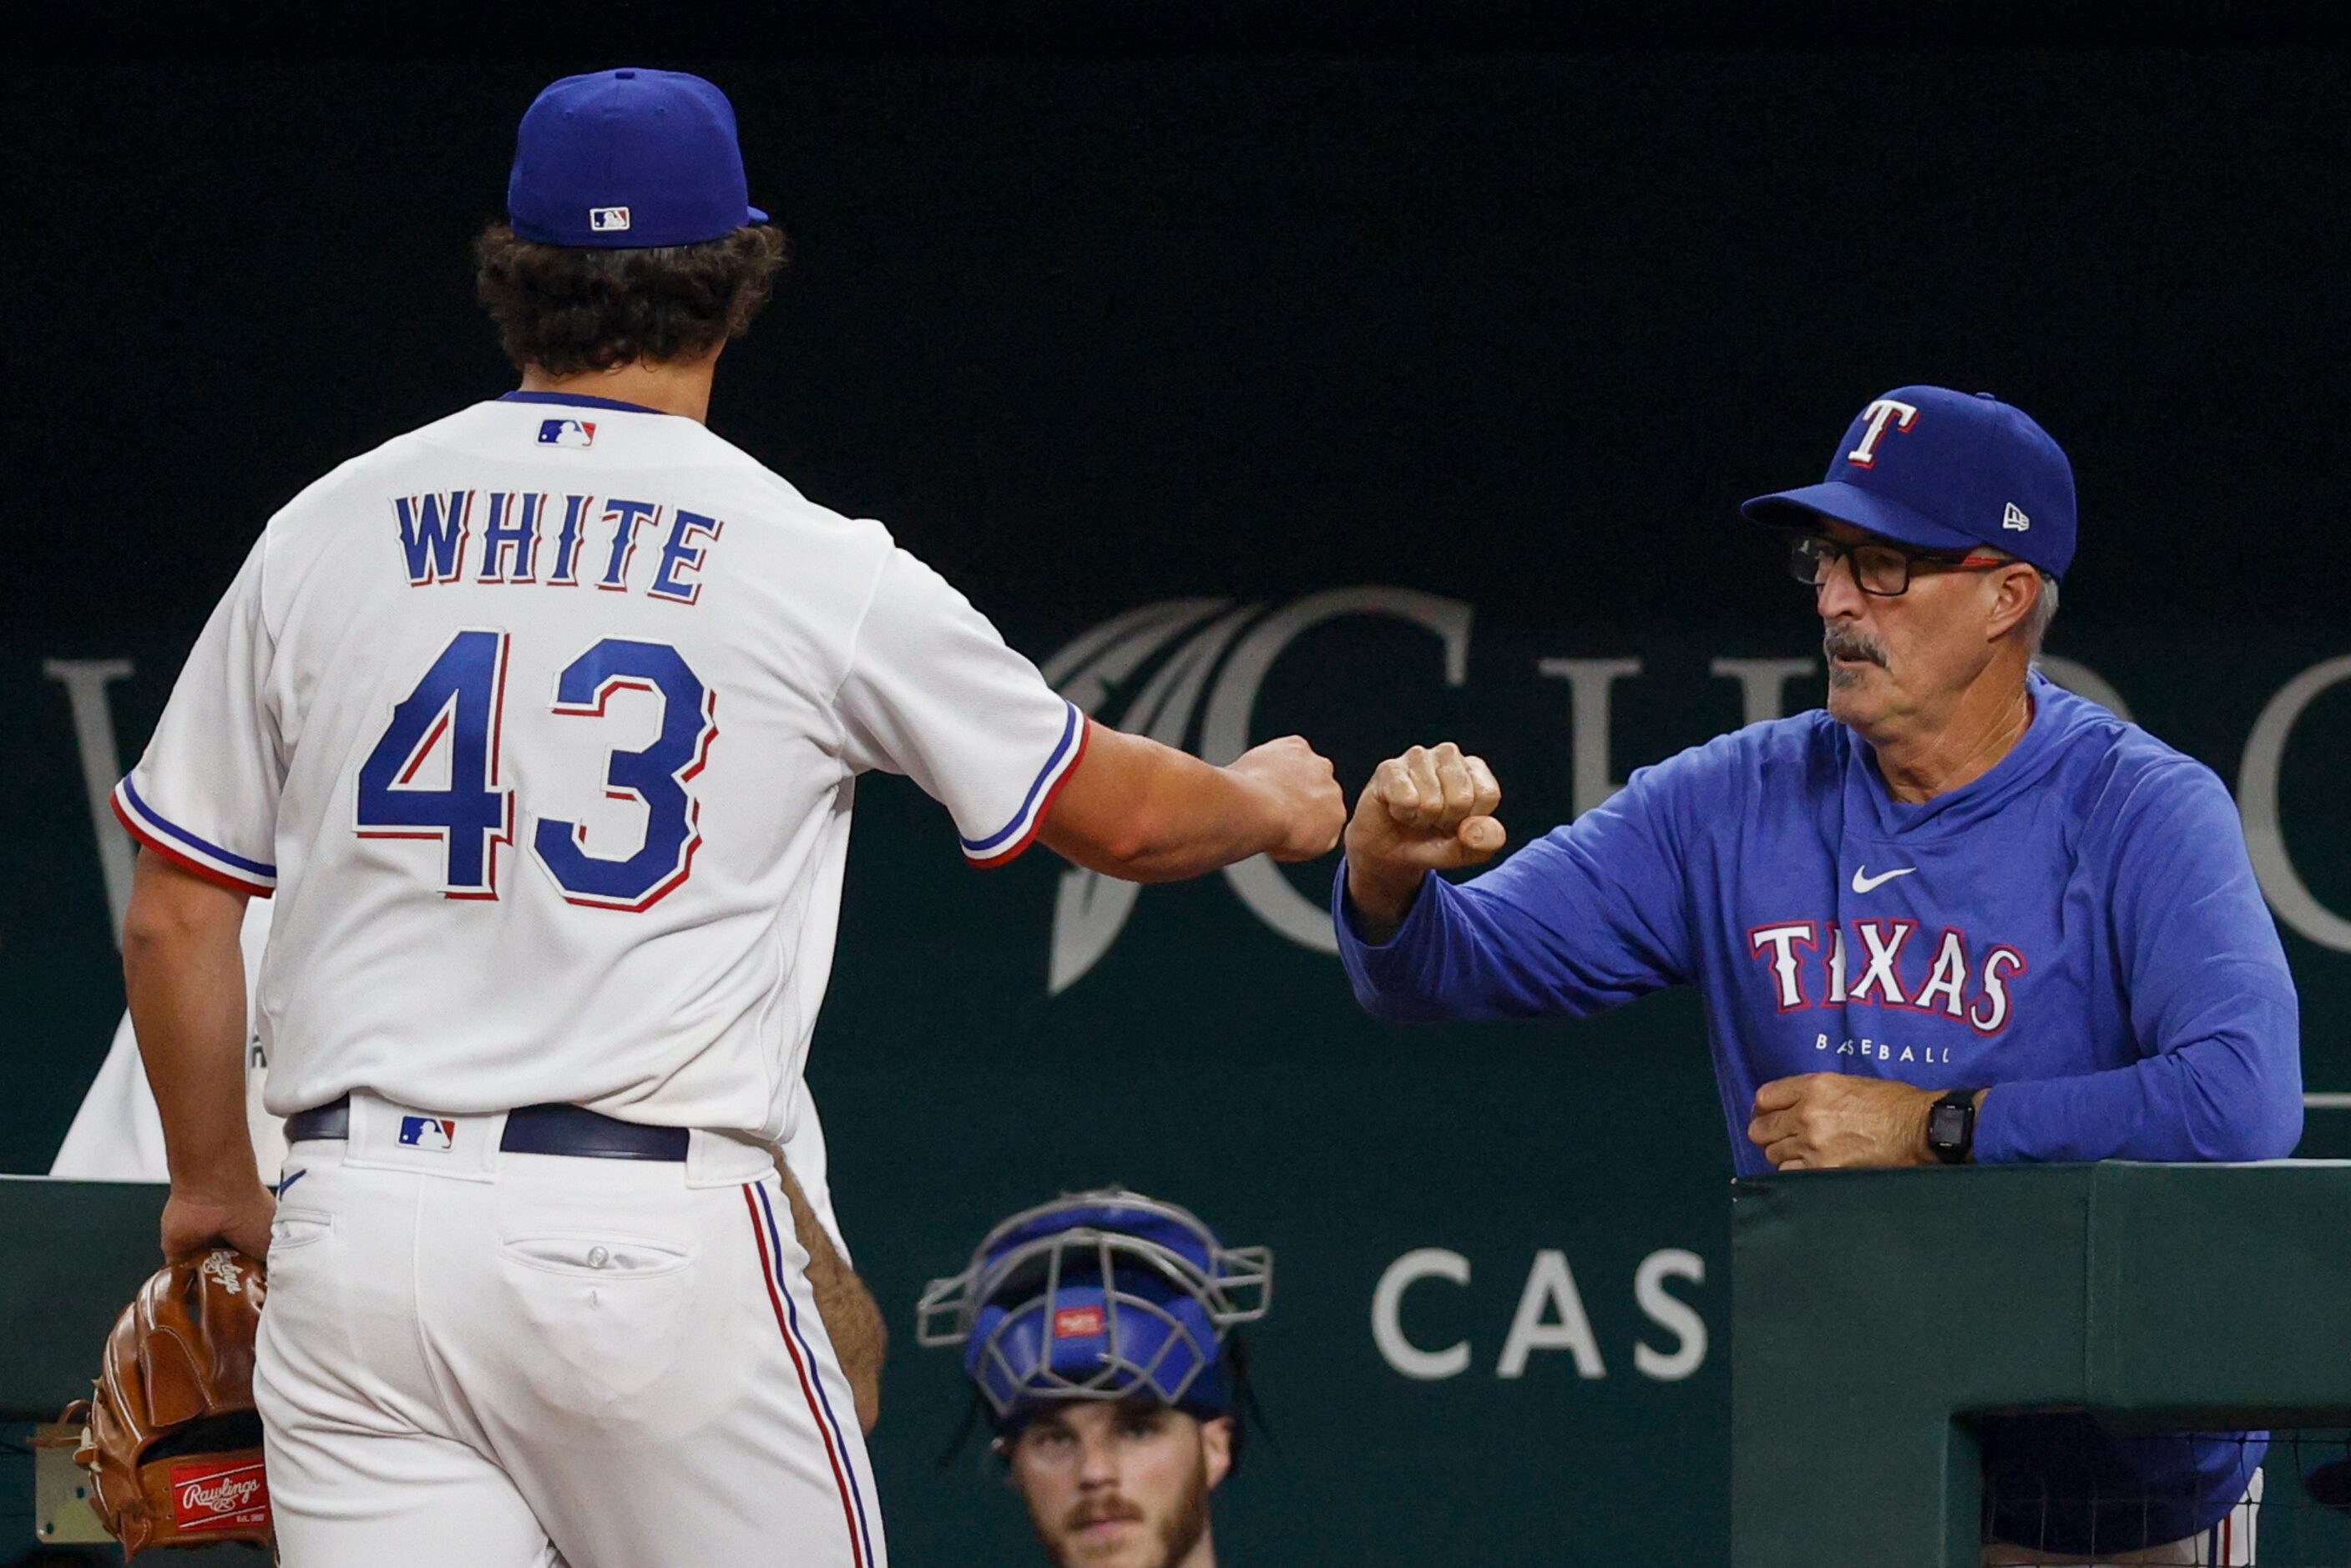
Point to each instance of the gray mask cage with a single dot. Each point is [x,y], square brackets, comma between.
[1097,1295]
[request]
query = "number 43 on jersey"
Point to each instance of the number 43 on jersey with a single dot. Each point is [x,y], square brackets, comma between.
[460,702]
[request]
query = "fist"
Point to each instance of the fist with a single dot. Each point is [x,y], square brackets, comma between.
[195,1222]
[1431,809]
[1308,805]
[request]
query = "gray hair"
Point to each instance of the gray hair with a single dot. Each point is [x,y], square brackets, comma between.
[2035,624]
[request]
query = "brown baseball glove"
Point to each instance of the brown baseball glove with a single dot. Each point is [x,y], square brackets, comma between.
[172,1441]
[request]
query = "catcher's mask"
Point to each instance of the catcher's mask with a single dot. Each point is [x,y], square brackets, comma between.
[1098,1295]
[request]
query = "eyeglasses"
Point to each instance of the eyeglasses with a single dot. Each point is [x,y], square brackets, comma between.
[1881,570]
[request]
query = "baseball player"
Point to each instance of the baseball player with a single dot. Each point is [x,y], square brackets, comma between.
[1096,1332]
[542,723]
[1962,914]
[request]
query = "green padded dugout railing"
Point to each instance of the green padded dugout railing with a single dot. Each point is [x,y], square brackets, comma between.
[1872,1311]
[75,1253]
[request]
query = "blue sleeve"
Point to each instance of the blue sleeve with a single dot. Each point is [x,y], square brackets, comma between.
[1586,917]
[2211,1001]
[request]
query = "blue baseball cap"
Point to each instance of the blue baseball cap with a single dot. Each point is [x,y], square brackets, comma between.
[1941,470]
[627,160]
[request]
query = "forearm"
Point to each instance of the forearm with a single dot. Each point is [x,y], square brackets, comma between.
[1146,812]
[1460,954]
[185,977]
[2228,1097]
[852,1321]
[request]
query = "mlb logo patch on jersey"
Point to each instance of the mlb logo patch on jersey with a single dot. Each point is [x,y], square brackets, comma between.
[608,220]
[1078,1323]
[567,433]
[436,1132]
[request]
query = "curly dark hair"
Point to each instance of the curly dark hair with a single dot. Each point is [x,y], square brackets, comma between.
[567,310]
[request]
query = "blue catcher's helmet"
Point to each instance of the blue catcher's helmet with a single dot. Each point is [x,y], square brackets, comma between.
[1098,1295]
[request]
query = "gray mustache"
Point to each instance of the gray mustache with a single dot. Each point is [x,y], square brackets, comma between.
[1845,642]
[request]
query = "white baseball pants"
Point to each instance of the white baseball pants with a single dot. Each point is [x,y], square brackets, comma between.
[494,1360]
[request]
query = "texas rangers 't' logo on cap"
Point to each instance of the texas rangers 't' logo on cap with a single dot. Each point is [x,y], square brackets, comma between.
[1881,415]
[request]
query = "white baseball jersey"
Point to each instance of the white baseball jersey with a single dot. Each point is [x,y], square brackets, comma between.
[543,722]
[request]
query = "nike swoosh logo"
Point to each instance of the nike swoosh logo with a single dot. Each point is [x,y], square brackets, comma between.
[1862,882]
[290,1181]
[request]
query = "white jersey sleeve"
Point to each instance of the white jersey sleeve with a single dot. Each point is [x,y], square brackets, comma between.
[933,692]
[205,794]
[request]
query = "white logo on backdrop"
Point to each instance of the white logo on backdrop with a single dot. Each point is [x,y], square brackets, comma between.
[1090,909]
[1550,1317]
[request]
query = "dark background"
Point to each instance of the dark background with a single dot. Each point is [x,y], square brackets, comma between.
[1101,309]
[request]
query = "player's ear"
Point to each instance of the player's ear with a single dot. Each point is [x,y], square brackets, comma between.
[1216,1448]
[2015,591]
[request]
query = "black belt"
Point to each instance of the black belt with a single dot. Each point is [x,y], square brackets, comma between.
[530,1130]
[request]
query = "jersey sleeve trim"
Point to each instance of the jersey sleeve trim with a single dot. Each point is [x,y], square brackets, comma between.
[1007,842]
[187,850]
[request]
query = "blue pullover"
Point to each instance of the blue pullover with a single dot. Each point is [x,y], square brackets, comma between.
[2079,931]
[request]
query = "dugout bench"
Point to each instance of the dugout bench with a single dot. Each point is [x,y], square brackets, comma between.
[1875,1311]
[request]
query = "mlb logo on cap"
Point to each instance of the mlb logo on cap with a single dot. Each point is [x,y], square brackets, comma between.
[435,1132]
[629,159]
[567,433]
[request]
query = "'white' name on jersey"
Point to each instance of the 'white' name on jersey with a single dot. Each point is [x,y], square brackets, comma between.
[543,723]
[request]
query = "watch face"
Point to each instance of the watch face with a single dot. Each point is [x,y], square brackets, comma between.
[1946,1125]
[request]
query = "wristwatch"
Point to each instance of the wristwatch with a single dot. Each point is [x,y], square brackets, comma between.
[1951,1126]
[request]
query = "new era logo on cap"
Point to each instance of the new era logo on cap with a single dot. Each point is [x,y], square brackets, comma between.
[1078,1323]
[436,1132]
[567,433]
[608,220]
[2014,519]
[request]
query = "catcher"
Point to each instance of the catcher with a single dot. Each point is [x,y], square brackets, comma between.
[1095,1331]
